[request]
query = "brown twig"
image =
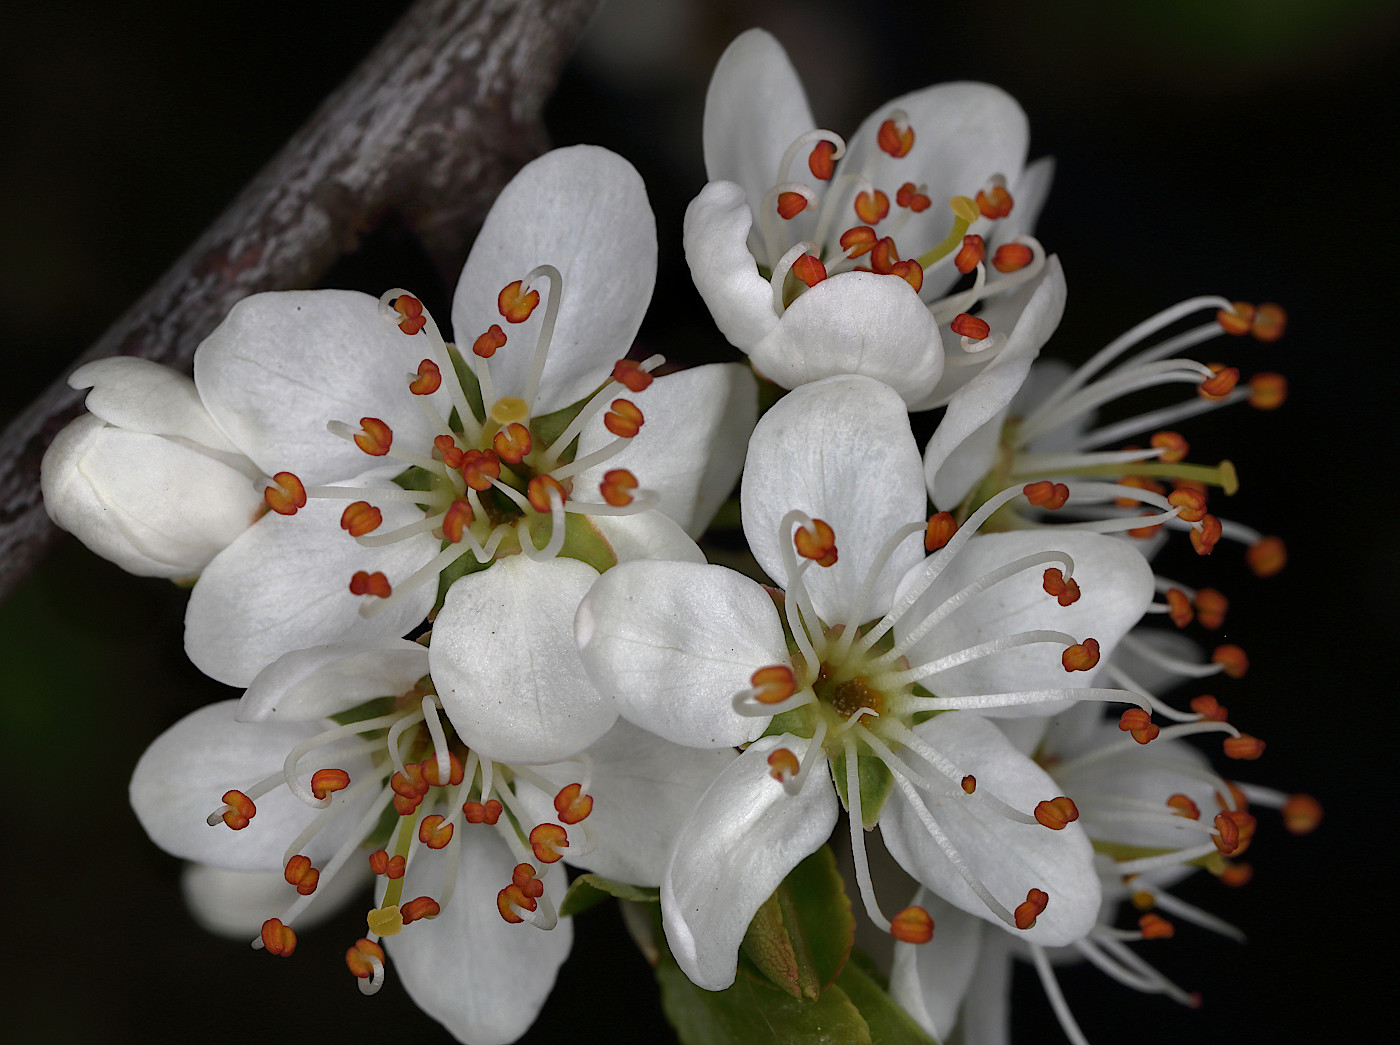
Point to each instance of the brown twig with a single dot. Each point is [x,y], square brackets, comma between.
[430,125]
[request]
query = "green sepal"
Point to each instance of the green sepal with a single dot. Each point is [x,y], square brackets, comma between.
[582,540]
[544,430]
[801,936]
[471,387]
[589,890]
[876,783]
[798,722]
[889,1024]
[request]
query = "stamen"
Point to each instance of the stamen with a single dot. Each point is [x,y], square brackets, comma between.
[970,327]
[783,764]
[624,420]
[1012,257]
[895,136]
[1081,656]
[865,885]
[284,493]
[571,805]
[515,303]
[809,270]
[278,938]
[1139,723]
[1033,907]
[974,249]
[365,960]
[365,583]
[940,530]
[817,542]
[912,925]
[428,379]
[994,201]
[1056,813]
[512,443]
[361,518]
[411,309]
[773,684]
[1244,747]
[1267,391]
[1266,556]
[301,874]
[239,810]
[1232,660]
[1223,380]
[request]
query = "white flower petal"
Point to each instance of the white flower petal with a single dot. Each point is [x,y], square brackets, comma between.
[842,451]
[142,396]
[643,790]
[754,109]
[965,444]
[236,903]
[182,777]
[283,364]
[583,210]
[1116,586]
[716,237]
[1009,858]
[647,535]
[855,323]
[672,642]
[929,980]
[742,840]
[482,978]
[154,506]
[323,681]
[986,1015]
[506,667]
[691,447]
[285,585]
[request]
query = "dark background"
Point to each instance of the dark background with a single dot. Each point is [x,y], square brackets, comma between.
[1234,146]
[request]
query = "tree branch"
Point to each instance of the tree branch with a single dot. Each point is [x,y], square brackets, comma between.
[431,125]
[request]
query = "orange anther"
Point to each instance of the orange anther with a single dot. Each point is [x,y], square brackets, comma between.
[939,531]
[458,517]
[1139,723]
[1082,656]
[1033,908]
[1144,531]
[1301,814]
[872,209]
[549,842]
[816,542]
[378,861]
[398,865]
[1045,494]
[1209,708]
[965,325]
[374,437]
[1267,390]
[617,487]
[448,449]
[791,204]
[1174,448]
[375,583]
[486,344]
[1179,607]
[910,271]
[1219,386]
[1183,806]
[1211,607]
[1012,257]
[1267,556]
[411,309]
[1056,813]
[1138,482]
[326,782]
[478,813]
[510,898]
[1232,660]
[1236,875]
[361,518]
[512,442]
[360,958]
[278,938]
[631,375]
[287,496]
[1270,321]
[572,805]
[783,764]
[969,784]
[419,907]
[1155,927]
[970,254]
[1243,747]
[1227,834]
[1205,538]
[909,196]
[455,770]
[411,783]
[884,255]
[523,877]
[809,270]
[301,874]
[1236,796]
[537,493]
[428,381]
[479,467]
[858,240]
[895,140]
[822,161]
[773,684]
[994,204]
[623,419]
[1065,591]
[434,831]
[1191,502]
[912,925]
[1142,900]
[514,304]
[240,809]
[1238,321]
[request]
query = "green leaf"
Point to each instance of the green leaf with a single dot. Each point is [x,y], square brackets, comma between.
[876,782]
[752,1013]
[802,935]
[889,1024]
[589,890]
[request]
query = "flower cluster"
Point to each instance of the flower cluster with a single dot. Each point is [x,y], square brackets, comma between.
[460,584]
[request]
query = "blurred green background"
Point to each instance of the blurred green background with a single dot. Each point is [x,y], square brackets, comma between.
[1233,146]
